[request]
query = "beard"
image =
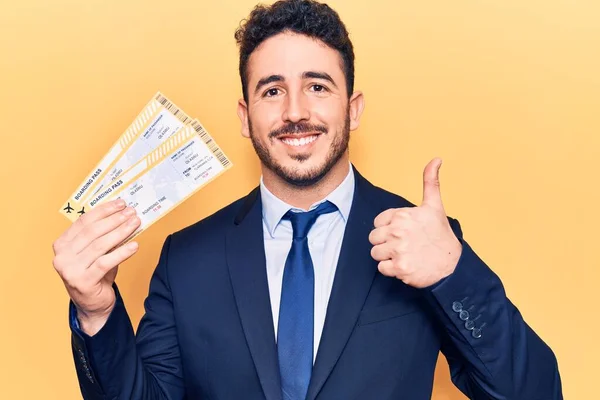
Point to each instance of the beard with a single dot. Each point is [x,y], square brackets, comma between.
[293,175]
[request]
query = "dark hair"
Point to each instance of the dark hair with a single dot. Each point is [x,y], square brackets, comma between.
[307,17]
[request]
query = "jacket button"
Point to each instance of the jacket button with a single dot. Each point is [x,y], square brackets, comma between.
[457,306]
[476,333]
[470,325]
[464,315]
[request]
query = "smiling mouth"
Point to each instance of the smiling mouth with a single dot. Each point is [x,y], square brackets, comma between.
[296,141]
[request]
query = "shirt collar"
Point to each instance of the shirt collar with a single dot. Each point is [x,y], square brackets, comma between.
[273,208]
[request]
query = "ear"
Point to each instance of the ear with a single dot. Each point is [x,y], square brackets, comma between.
[356,107]
[242,112]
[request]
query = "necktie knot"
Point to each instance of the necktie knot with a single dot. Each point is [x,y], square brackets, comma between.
[303,221]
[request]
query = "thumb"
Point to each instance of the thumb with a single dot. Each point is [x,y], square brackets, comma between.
[431,184]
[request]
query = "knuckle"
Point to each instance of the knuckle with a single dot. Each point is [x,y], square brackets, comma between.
[97,246]
[70,277]
[376,236]
[90,231]
[386,269]
[56,246]
[57,263]
[102,263]
[398,232]
[372,234]
[126,227]
[130,225]
[373,252]
[398,214]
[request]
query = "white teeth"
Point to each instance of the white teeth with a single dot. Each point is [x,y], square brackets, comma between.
[299,142]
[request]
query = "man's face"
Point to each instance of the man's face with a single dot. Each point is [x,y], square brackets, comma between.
[298,114]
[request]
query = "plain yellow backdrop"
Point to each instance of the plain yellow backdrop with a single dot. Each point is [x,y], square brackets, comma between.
[507,92]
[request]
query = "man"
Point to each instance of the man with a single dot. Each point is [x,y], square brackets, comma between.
[317,284]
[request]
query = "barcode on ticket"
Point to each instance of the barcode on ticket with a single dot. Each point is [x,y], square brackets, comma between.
[208,140]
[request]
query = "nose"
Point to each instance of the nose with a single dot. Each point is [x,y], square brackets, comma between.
[296,108]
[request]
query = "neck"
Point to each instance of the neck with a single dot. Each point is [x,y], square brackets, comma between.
[304,196]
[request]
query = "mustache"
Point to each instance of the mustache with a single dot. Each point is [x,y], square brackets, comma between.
[297,128]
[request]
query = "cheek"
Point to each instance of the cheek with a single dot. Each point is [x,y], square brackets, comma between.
[263,122]
[329,112]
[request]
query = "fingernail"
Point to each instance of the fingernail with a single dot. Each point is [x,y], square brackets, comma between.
[120,203]
[134,221]
[132,246]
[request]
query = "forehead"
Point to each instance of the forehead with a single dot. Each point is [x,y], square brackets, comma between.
[290,54]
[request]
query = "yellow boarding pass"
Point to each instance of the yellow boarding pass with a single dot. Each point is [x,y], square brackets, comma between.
[165,177]
[157,121]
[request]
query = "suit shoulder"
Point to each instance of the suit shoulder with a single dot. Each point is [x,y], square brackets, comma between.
[212,224]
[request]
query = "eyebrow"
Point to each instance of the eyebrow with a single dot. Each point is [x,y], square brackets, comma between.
[267,80]
[306,75]
[319,75]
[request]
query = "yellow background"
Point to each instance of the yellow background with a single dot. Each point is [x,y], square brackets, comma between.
[507,92]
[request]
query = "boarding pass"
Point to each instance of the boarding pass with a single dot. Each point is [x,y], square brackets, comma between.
[162,159]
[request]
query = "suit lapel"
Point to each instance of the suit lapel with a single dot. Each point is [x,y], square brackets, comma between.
[247,268]
[353,278]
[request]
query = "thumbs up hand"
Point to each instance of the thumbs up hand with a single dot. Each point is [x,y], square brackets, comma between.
[417,244]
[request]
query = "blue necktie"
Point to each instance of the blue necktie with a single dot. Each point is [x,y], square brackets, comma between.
[296,322]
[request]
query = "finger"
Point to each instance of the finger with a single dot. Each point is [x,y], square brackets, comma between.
[386,267]
[384,218]
[383,251]
[378,235]
[108,262]
[431,184]
[98,213]
[106,243]
[96,229]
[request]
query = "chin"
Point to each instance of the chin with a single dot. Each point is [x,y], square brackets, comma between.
[302,177]
[303,171]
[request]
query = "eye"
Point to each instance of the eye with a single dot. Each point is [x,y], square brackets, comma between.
[319,89]
[271,92]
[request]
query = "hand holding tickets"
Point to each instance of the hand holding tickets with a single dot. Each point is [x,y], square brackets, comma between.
[162,158]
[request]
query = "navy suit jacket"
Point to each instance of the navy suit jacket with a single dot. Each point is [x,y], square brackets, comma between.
[207,331]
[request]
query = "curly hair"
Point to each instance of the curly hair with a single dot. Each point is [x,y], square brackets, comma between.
[307,17]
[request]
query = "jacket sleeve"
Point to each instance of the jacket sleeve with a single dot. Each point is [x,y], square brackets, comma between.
[116,364]
[492,352]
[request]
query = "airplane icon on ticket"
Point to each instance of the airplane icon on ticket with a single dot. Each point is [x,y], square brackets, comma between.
[82,211]
[68,208]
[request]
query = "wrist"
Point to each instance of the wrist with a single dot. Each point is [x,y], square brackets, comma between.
[454,253]
[92,323]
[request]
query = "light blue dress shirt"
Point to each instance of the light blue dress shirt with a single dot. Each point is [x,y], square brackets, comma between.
[324,243]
